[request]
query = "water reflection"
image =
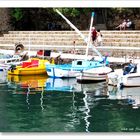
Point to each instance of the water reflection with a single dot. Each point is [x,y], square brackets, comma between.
[71,85]
[32,83]
[87,123]
[41,99]
[38,103]
[3,78]
[27,97]
[28,85]
[130,96]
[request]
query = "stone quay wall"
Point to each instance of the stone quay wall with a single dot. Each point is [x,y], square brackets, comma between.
[115,43]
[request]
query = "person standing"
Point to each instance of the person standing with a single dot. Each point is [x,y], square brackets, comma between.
[94,36]
[99,38]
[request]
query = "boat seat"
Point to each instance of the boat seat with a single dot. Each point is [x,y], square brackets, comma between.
[26,64]
[33,63]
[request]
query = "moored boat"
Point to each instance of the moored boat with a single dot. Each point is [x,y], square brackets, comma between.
[71,70]
[128,77]
[33,66]
[7,60]
[94,74]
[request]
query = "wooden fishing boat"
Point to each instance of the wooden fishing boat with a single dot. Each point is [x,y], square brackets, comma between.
[71,70]
[94,74]
[33,66]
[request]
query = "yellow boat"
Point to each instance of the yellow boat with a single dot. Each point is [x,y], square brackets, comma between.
[33,66]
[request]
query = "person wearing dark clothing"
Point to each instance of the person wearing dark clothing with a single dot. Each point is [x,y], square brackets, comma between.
[94,36]
[130,68]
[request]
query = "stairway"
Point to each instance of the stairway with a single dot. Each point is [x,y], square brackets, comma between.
[66,39]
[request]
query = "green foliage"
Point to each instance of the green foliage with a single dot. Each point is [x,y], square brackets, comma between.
[17,14]
[74,12]
[69,11]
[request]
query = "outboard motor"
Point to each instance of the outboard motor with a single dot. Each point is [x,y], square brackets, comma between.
[12,68]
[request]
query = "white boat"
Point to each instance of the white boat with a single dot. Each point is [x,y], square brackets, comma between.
[7,60]
[93,74]
[121,78]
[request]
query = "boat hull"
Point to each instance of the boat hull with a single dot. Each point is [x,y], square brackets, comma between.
[34,70]
[129,80]
[85,77]
[93,75]
[60,73]
[27,71]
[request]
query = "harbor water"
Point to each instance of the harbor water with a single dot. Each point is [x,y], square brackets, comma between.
[42,104]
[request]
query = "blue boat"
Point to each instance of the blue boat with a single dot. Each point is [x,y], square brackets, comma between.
[71,70]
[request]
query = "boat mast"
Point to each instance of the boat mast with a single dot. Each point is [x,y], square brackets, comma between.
[89,35]
[29,46]
[82,36]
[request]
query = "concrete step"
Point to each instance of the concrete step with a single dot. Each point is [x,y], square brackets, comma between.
[42,39]
[38,35]
[42,42]
[71,32]
[67,39]
[46,32]
[71,36]
[110,38]
[127,44]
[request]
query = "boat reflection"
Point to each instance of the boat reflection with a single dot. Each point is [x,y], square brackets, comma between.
[71,85]
[58,84]
[42,82]
[28,85]
[130,96]
[31,83]
[3,77]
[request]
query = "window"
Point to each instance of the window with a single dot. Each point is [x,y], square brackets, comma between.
[79,63]
[49,70]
